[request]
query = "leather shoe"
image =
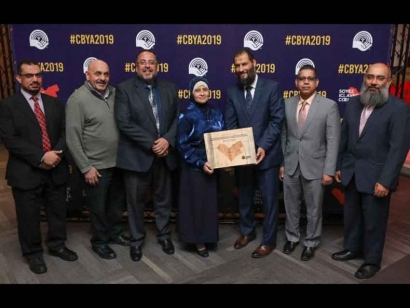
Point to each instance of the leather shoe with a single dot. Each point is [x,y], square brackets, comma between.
[367,271]
[136,253]
[307,253]
[105,251]
[345,255]
[37,265]
[64,253]
[262,251]
[203,252]
[289,247]
[167,246]
[242,241]
[120,240]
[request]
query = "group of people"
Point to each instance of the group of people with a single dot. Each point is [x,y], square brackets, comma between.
[127,140]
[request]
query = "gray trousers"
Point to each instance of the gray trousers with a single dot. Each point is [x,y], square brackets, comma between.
[294,187]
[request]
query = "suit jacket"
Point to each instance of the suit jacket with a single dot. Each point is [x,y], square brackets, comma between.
[378,154]
[22,137]
[136,124]
[265,117]
[316,148]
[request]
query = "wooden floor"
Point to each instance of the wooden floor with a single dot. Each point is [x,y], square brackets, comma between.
[224,266]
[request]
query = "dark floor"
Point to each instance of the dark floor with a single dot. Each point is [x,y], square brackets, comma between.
[224,266]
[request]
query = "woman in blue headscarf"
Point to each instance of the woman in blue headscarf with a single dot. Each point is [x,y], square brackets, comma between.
[198,207]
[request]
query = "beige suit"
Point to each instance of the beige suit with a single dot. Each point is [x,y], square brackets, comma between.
[307,157]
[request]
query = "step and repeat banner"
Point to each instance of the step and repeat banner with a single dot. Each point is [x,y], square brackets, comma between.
[340,53]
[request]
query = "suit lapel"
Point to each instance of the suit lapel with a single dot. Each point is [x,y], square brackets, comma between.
[256,98]
[24,106]
[240,97]
[293,108]
[376,112]
[142,93]
[163,107]
[48,110]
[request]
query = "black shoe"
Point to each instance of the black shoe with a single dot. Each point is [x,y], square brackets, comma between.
[37,265]
[105,251]
[167,246]
[308,253]
[135,253]
[367,271]
[203,252]
[120,240]
[289,247]
[345,255]
[64,253]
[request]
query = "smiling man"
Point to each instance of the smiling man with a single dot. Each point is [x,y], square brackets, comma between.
[258,103]
[310,143]
[374,144]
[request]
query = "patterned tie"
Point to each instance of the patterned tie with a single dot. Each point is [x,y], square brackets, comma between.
[42,121]
[153,105]
[302,116]
[248,97]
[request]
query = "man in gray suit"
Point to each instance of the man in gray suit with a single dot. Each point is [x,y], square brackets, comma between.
[147,110]
[310,143]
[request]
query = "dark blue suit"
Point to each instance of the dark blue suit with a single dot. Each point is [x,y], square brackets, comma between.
[265,116]
[377,155]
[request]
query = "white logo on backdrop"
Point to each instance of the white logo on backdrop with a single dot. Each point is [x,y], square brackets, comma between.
[304,61]
[198,67]
[363,40]
[38,39]
[145,39]
[253,40]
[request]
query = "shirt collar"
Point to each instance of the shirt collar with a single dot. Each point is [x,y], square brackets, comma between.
[308,101]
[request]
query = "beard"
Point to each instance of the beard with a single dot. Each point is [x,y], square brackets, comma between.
[248,80]
[376,99]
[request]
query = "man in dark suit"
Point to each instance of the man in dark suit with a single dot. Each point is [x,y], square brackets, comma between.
[258,103]
[147,110]
[372,152]
[32,127]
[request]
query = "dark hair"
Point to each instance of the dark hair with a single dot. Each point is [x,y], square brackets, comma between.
[143,50]
[308,67]
[26,62]
[242,51]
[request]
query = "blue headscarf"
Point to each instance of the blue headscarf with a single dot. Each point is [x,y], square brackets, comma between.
[192,84]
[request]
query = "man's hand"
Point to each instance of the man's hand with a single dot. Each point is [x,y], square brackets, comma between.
[380,190]
[160,147]
[91,176]
[260,155]
[338,176]
[281,173]
[327,180]
[45,167]
[51,158]
[208,169]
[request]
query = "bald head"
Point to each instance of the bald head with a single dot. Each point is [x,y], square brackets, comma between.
[98,75]
[379,68]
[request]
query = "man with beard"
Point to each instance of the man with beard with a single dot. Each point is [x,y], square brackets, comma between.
[310,143]
[33,131]
[374,143]
[147,110]
[92,138]
[258,103]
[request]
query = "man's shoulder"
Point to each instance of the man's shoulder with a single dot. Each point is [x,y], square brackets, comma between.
[127,82]
[166,83]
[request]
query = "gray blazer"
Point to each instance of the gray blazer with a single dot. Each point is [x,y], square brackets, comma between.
[316,148]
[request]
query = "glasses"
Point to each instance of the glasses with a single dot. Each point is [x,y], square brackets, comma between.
[150,63]
[306,78]
[29,76]
[371,77]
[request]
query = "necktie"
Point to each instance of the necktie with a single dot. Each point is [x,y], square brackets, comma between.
[153,105]
[42,121]
[302,116]
[363,119]
[248,97]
